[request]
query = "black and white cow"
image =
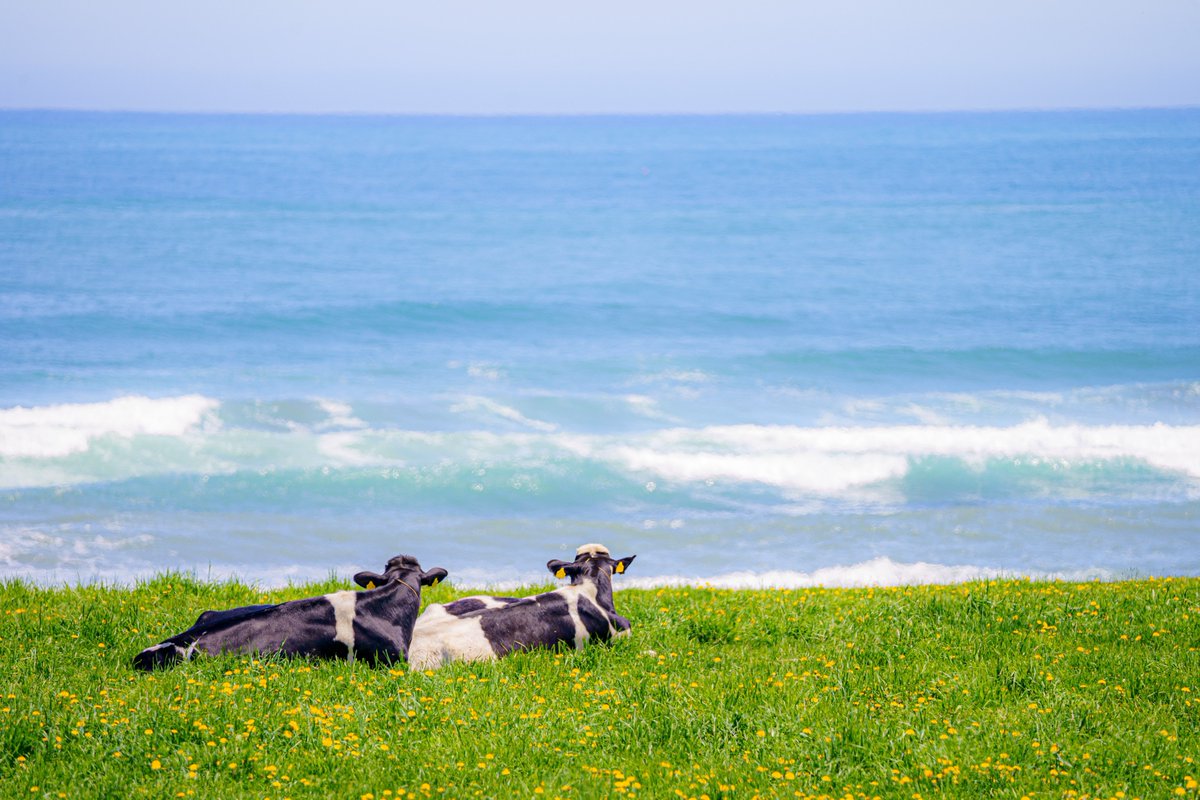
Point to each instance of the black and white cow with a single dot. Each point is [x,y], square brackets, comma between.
[482,628]
[375,625]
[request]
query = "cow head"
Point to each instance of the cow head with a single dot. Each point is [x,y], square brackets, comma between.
[404,568]
[591,561]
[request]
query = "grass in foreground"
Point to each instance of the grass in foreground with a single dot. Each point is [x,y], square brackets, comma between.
[996,689]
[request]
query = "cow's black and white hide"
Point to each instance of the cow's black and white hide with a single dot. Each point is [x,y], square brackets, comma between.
[481,628]
[375,625]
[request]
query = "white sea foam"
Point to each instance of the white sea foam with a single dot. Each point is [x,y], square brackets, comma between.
[830,460]
[478,369]
[341,448]
[924,415]
[875,572]
[61,430]
[474,404]
[821,473]
[485,371]
[93,562]
[146,436]
[689,376]
[1048,399]
[645,406]
[341,415]
[26,548]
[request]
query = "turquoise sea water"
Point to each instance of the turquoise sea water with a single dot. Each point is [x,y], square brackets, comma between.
[751,350]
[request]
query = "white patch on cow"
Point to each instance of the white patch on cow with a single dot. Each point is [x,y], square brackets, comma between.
[591,549]
[571,595]
[343,619]
[581,633]
[440,637]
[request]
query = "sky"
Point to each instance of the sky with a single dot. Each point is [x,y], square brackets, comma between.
[562,56]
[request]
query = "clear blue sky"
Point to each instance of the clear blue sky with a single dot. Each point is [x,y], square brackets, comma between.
[561,56]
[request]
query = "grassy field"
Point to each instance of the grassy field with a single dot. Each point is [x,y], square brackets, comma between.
[997,689]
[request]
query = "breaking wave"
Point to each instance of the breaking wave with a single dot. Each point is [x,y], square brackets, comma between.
[326,448]
[48,432]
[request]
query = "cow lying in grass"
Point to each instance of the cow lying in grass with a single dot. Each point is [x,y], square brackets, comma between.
[481,628]
[375,625]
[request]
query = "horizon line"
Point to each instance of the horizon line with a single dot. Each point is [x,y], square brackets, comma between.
[599,114]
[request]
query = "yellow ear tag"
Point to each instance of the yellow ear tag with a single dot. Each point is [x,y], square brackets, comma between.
[435,582]
[370,584]
[562,573]
[620,567]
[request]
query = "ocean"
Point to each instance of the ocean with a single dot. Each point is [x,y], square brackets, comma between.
[752,350]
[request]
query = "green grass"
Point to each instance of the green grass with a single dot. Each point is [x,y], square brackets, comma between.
[997,689]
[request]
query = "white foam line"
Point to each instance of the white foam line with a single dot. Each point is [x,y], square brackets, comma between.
[84,574]
[474,403]
[800,461]
[834,459]
[648,407]
[61,430]
[341,415]
[880,571]
[876,572]
[480,370]
[686,377]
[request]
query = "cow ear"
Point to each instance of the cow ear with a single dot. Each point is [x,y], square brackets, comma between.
[562,569]
[619,567]
[370,580]
[433,577]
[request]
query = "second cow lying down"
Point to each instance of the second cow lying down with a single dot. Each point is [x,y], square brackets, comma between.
[482,628]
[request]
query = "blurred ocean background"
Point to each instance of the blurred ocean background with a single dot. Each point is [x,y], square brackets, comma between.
[776,350]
